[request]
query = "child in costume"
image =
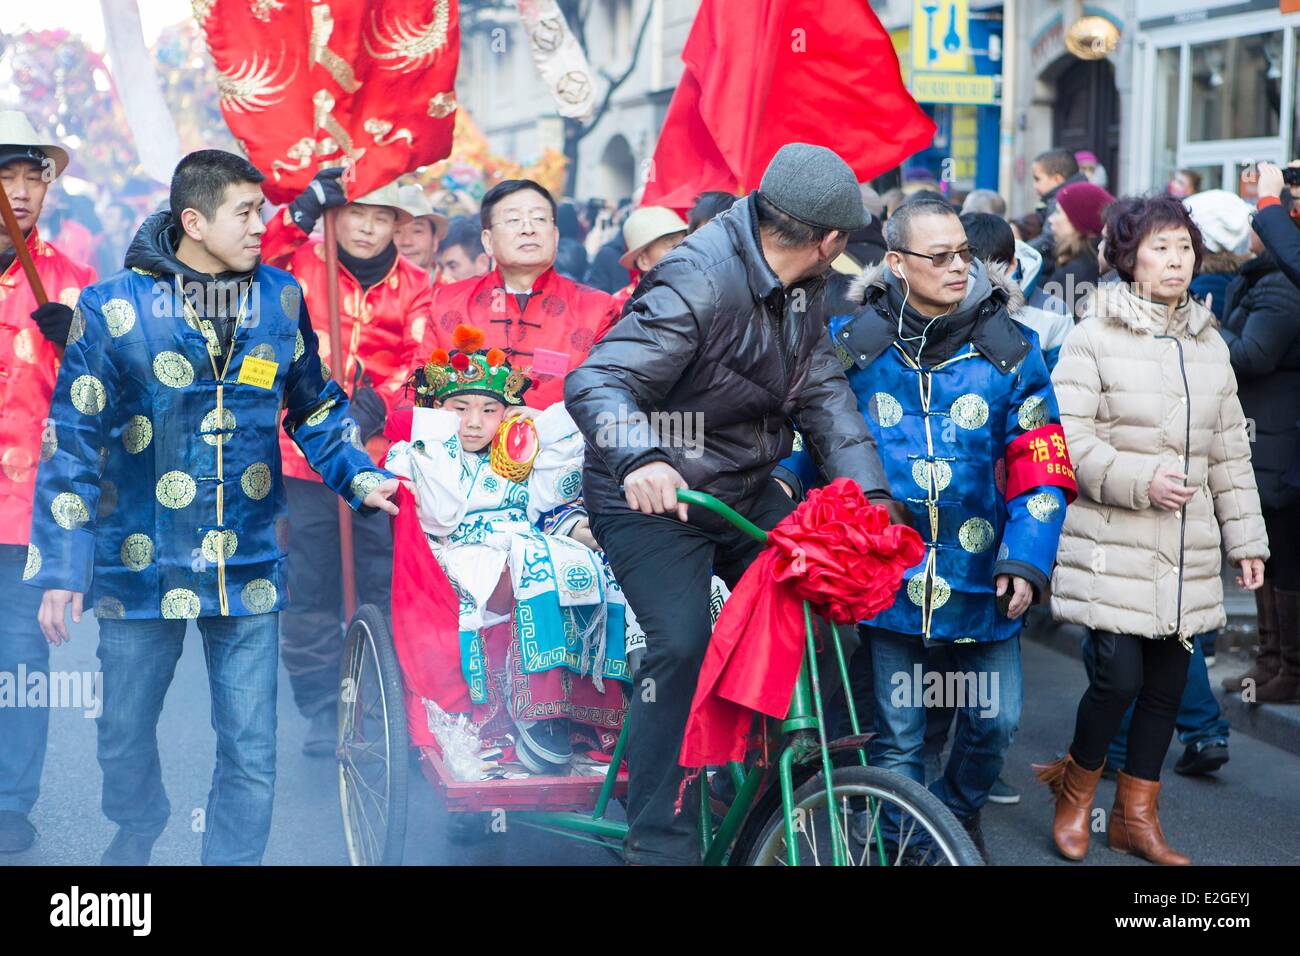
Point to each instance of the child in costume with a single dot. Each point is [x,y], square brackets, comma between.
[542,621]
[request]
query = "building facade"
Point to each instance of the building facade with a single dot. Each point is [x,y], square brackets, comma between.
[1222,84]
[1206,85]
[500,86]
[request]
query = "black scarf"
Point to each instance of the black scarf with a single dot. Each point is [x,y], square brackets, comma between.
[370,271]
[948,334]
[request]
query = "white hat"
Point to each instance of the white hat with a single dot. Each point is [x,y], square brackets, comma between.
[18,140]
[1223,218]
[417,204]
[644,226]
[389,196]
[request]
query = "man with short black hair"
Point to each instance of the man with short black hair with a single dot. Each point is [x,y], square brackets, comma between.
[541,320]
[460,254]
[1052,169]
[160,495]
[959,396]
[725,331]
[30,345]
[994,244]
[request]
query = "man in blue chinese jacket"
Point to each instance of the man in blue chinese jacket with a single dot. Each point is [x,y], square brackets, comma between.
[160,499]
[958,398]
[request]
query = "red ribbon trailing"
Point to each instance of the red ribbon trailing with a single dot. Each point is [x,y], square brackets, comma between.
[837,551]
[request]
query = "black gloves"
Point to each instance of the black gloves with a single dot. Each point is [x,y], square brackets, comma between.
[55,319]
[325,192]
[369,412]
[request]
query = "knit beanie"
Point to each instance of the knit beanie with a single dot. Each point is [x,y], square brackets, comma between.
[1083,203]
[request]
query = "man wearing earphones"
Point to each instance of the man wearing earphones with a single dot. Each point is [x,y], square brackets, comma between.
[958,398]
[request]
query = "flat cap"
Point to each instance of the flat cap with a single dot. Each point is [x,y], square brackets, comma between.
[812,184]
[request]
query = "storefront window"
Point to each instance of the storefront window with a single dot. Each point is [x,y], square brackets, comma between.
[1236,88]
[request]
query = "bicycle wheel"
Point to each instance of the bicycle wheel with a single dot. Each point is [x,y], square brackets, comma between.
[928,833]
[373,744]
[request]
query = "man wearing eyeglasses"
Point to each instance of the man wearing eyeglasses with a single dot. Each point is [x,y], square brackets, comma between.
[957,396]
[540,319]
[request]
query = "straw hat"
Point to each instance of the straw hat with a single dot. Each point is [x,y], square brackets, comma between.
[389,196]
[644,226]
[415,202]
[18,140]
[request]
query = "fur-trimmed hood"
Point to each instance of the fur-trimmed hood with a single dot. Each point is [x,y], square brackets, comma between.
[875,280]
[1116,304]
[985,318]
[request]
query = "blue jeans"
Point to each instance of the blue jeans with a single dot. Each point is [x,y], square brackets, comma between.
[138,659]
[23,650]
[1199,716]
[985,725]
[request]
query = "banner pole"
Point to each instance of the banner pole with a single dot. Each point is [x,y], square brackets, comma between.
[349,576]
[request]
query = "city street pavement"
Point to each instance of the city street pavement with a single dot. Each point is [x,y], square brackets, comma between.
[1248,815]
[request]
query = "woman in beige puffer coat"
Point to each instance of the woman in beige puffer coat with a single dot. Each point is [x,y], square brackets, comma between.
[1161,454]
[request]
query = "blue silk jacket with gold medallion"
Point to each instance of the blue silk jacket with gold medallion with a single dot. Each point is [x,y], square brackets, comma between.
[159,493]
[945,433]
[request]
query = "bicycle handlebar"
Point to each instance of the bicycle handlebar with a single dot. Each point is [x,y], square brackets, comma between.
[730,515]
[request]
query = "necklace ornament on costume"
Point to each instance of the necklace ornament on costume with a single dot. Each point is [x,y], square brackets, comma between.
[469,369]
[514,449]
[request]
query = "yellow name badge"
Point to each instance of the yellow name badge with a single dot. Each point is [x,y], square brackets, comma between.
[260,373]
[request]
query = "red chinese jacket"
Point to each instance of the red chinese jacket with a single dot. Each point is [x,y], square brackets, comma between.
[381,327]
[552,336]
[28,366]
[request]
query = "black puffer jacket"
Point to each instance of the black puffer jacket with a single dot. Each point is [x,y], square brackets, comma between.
[712,336]
[1262,329]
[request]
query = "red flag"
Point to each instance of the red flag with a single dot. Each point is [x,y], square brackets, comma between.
[305,83]
[792,75]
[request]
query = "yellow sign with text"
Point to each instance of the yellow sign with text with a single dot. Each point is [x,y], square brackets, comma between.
[940,36]
[260,373]
[967,89]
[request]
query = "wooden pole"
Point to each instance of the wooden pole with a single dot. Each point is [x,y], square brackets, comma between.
[336,366]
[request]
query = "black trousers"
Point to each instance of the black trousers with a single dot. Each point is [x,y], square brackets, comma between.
[311,629]
[1151,671]
[1282,570]
[664,568]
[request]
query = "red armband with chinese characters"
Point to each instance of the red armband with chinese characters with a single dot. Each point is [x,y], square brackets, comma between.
[1039,457]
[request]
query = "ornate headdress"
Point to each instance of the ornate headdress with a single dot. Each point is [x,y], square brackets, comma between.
[468,370]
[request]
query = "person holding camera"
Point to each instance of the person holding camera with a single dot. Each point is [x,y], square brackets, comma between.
[1274,217]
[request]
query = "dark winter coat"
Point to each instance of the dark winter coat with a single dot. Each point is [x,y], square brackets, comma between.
[1262,329]
[712,337]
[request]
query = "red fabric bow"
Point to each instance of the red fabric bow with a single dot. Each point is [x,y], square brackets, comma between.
[837,551]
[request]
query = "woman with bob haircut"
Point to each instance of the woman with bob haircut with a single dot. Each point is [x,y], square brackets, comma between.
[1159,448]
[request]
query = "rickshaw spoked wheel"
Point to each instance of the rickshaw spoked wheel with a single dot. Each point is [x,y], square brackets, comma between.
[372,743]
[927,835]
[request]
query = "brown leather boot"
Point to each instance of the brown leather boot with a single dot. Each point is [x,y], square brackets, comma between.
[1267,662]
[1073,788]
[1284,688]
[1135,823]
